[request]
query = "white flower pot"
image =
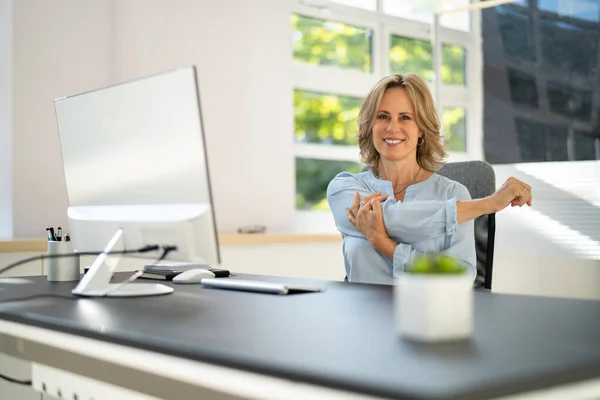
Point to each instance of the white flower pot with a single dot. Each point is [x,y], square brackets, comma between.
[434,308]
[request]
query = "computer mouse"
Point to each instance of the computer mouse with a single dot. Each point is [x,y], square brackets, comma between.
[193,276]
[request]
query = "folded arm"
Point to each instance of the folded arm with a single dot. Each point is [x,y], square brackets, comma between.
[460,245]
[406,222]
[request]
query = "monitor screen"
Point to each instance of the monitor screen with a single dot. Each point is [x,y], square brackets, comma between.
[134,158]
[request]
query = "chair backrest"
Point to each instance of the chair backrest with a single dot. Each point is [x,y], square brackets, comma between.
[479,178]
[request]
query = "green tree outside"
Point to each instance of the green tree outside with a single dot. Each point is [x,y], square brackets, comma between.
[312,178]
[321,42]
[325,118]
[455,129]
[415,55]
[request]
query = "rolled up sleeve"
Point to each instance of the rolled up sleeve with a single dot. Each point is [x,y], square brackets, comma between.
[405,222]
[403,254]
[415,221]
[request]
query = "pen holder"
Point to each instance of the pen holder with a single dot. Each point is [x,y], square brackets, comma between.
[62,268]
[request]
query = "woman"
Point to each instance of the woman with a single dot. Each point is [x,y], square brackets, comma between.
[400,208]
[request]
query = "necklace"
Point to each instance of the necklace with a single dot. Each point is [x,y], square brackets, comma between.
[408,184]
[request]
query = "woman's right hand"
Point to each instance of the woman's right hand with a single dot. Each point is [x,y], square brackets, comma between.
[353,211]
[513,192]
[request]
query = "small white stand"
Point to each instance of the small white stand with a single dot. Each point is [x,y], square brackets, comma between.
[95,283]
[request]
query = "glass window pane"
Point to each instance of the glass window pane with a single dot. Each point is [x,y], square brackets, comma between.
[541,142]
[453,64]
[321,42]
[515,30]
[370,5]
[416,55]
[556,143]
[585,146]
[411,55]
[312,178]
[587,10]
[325,118]
[523,89]
[419,10]
[455,129]
[569,47]
[570,102]
[532,143]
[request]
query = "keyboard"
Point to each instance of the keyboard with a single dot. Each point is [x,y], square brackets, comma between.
[174,266]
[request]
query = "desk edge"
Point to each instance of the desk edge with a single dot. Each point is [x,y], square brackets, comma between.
[40,245]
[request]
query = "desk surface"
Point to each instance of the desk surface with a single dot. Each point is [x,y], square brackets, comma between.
[341,338]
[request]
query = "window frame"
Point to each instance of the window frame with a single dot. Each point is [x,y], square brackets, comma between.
[334,80]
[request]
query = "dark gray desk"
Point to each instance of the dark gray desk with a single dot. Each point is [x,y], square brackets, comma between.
[342,338]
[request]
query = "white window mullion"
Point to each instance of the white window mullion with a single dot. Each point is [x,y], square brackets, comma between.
[409,28]
[336,12]
[455,95]
[378,52]
[474,74]
[420,30]
[327,152]
[456,37]
[384,46]
[355,83]
[333,80]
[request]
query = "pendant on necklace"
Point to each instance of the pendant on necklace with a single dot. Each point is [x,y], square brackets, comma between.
[408,184]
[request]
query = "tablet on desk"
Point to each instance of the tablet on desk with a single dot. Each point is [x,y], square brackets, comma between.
[257,286]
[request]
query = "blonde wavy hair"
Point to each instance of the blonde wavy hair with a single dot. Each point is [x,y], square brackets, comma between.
[431,154]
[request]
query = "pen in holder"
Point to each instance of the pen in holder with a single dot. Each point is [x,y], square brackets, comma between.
[62,268]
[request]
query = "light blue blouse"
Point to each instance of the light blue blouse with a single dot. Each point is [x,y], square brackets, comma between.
[425,222]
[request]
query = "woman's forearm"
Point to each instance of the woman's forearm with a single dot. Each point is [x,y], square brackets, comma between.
[467,210]
[384,245]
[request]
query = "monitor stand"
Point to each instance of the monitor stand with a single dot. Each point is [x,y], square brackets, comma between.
[128,290]
[96,282]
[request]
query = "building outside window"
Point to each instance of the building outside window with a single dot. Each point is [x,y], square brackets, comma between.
[541,81]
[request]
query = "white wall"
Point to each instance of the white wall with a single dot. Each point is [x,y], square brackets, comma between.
[243,54]
[552,248]
[6,219]
[242,50]
[60,47]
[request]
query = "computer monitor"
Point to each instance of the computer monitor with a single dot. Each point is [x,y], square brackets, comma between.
[134,158]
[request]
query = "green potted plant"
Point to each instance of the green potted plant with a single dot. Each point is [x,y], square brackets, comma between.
[434,299]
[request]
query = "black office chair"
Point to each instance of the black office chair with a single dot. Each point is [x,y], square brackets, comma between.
[479,178]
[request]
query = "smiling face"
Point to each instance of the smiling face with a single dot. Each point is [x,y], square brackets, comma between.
[391,111]
[395,130]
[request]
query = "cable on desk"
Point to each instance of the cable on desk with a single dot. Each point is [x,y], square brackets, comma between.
[165,252]
[145,249]
[9,379]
